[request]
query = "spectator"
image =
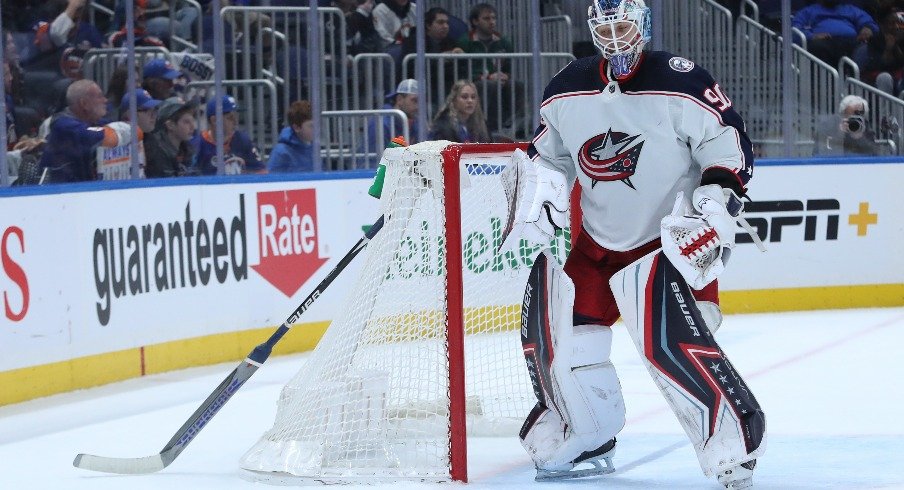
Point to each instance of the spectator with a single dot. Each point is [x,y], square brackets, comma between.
[143,38]
[847,133]
[69,29]
[63,38]
[19,147]
[405,99]
[11,56]
[168,149]
[159,78]
[11,135]
[159,27]
[493,77]
[394,20]
[881,60]
[294,151]
[436,23]
[69,154]
[239,152]
[254,21]
[833,29]
[461,119]
[117,87]
[21,122]
[116,163]
[361,33]
[145,105]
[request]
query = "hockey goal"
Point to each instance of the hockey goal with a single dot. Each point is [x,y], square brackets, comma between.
[426,349]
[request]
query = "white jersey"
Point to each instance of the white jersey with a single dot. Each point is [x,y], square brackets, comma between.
[635,144]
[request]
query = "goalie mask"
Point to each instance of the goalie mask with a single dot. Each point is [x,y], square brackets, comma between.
[620,30]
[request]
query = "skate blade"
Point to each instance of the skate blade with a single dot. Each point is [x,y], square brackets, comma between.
[739,484]
[556,475]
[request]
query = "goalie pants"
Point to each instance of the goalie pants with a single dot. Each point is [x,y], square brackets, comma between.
[590,266]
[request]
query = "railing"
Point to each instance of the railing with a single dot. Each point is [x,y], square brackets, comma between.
[702,31]
[512,21]
[178,43]
[556,34]
[95,8]
[847,67]
[754,9]
[506,105]
[99,64]
[373,76]
[257,111]
[259,32]
[356,139]
[759,93]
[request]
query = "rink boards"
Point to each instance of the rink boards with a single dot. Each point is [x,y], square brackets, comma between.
[141,278]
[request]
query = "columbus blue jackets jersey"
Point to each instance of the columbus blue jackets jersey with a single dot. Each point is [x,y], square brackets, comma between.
[634,144]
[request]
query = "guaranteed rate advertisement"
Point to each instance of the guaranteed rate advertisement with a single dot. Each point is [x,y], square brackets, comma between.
[87,273]
[93,272]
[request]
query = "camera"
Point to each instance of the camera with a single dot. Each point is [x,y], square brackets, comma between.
[855,124]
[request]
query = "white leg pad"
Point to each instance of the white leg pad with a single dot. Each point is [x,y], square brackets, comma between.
[586,390]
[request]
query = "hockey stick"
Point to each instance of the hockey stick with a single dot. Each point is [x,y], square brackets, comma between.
[223,392]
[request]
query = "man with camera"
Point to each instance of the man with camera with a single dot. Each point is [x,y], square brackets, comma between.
[847,133]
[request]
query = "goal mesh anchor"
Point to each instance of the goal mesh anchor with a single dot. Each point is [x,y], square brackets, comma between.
[426,348]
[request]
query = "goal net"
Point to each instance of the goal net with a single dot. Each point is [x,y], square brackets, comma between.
[426,346]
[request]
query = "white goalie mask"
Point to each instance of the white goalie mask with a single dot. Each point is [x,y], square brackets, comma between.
[620,30]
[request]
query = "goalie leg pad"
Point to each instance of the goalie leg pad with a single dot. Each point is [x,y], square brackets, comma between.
[580,405]
[712,402]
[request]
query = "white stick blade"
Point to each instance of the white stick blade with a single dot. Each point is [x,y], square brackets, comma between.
[122,466]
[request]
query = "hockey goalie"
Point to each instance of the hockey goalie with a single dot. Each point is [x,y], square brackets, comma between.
[642,131]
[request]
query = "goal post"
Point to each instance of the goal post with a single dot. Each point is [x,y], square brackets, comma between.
[425,350]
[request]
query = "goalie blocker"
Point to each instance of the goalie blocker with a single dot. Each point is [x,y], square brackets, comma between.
[711,401]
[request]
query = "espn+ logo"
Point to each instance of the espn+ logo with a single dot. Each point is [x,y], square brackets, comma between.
[288,238]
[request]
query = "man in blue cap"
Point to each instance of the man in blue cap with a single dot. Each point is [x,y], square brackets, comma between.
[159,76]
[146,106]
[239,153]
[115,163]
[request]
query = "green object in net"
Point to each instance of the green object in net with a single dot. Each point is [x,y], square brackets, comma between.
[376,189]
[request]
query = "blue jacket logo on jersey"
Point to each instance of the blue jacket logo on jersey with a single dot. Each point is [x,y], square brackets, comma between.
[610,156]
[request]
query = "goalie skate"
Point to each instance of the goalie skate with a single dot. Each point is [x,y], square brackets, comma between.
[600,459]
[738,477]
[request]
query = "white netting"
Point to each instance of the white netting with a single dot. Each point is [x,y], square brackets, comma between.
[373,399]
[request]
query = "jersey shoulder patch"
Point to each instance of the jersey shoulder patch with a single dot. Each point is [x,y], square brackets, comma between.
[680,64]
[663,71]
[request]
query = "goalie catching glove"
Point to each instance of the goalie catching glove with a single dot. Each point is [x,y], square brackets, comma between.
[537,202]
[699,245]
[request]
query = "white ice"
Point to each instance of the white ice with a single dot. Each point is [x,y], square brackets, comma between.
[828,381]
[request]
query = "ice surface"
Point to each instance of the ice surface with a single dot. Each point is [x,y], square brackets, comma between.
[829,382]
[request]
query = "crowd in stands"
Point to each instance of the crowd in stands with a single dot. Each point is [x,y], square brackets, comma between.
[51,109]
[45,43]
[871,32]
